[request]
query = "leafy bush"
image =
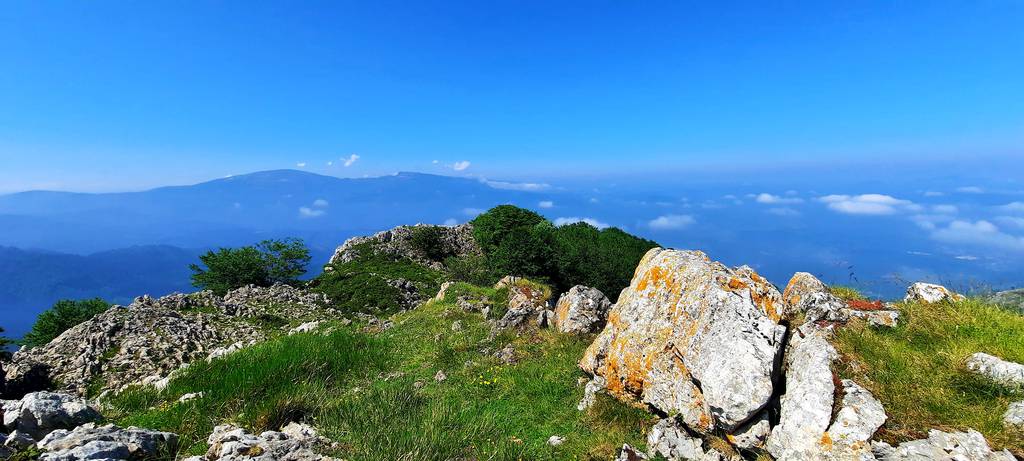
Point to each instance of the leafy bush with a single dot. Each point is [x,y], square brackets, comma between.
[5,342]
[521,242]
[364,284]
[264,264]
[427,240]
[62,316]
[472,269]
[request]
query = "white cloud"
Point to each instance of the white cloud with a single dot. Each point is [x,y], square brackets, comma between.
[930,221]
[932,193]
[321,203]
[671,222]
[970,190]
[1013,207]
[301,164]
[967,258]
[546,204]
[868,204]
[783,211]
[1010,221]
[350,160]
[945,209]
[520,186]
[574,219]
[307,212]
[460,166]
[982,233]
[450,222]
[330,163]
[472,212]
[770,199]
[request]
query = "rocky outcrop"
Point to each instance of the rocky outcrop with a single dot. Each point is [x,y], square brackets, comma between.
[930,293]
[294,442]
[455,241]
[692,337]
[581,310]
[152,337]
[526,300]
[40,413]
[808,295]
[1010,299]
[107,442]
[668,439]
[1001,371]
[942,446]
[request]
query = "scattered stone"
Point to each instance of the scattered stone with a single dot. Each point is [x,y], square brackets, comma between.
[89,441]
[19,440]
[293,443]
[507,354]
[590,390]
[443,292]
[440,376]
[581,310]
[668,439]
[545,318]
[877,318]
[525,300]
[190,396]
[555,440]
[687,319]
[457,325]
[998,370]
[628,453]
[40,413]
[944,446]
[229,349]
[305,327]
[418,385]
[930,293]
[1014,416]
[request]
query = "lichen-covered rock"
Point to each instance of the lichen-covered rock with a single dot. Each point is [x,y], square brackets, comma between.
[581,310]
[879,318]
[89,441]
[930,293]
[295,442]
[753,434]
[942,446]
[526,300]
[590,390]
[40,413]
[687,319]
[455,241]
[628,453]
[670,440]
[1014,416]
[806,294]
[806,407]
[998,370]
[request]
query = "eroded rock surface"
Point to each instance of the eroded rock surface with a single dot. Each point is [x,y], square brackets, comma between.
[1014,416]
[455,241]
[39,413]
[930,293]
[942,446]
[294,442]
[526,301]
[806,294]
[581,310]
[687,319]
[998,370]
[107,442]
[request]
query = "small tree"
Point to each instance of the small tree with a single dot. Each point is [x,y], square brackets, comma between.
[65,314]
[266,263]
[5,343]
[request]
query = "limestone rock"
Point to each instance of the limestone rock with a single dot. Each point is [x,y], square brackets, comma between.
[443,291]
[998,370]
[806,408]
[556,440]
[40,413]
[805,293]
[685,318]
[753,434]
[455,241]
[628,453]
[581,310]
[590,390]
[525,300]
[1014,416]
[670,440]
[295,442]
[930,293]
[89,441]
[860,415]
[942,446]
[878,318]
[19,440]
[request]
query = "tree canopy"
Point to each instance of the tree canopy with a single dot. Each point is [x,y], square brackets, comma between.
[263,264]
[64,314]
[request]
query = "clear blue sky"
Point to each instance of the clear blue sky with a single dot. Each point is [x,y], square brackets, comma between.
[122,95]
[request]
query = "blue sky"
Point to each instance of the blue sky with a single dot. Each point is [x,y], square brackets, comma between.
[127,95]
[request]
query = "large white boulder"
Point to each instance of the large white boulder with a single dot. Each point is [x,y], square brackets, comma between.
[39,413]
[684,320]
[942,446]
[581,310]
[998,370]
[930,293]
[89,441]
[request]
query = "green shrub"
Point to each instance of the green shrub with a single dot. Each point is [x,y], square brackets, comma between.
[427,241]
[362,285]
[62,316]
[472,269]
[264,264]
[5,343]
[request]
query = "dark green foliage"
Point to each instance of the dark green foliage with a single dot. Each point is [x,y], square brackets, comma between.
[63,315]
[362,285]
[266,263]
[472,269]
[521,242]
[5,342]
[427,240]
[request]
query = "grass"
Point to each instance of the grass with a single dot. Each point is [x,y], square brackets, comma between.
[847,293]
[917,369]
[375,394]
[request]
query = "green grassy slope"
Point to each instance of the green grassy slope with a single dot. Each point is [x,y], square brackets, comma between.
[359,388]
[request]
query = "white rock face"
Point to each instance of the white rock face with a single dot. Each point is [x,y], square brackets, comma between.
[942,446]
[581,310]
[1014,416]
[294,442]
[671,441]
[805,293]
[40,413]
[89,441]
[930,293]
[687,319]
[999,370]
[806,408]
[628,453]
[305,327]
